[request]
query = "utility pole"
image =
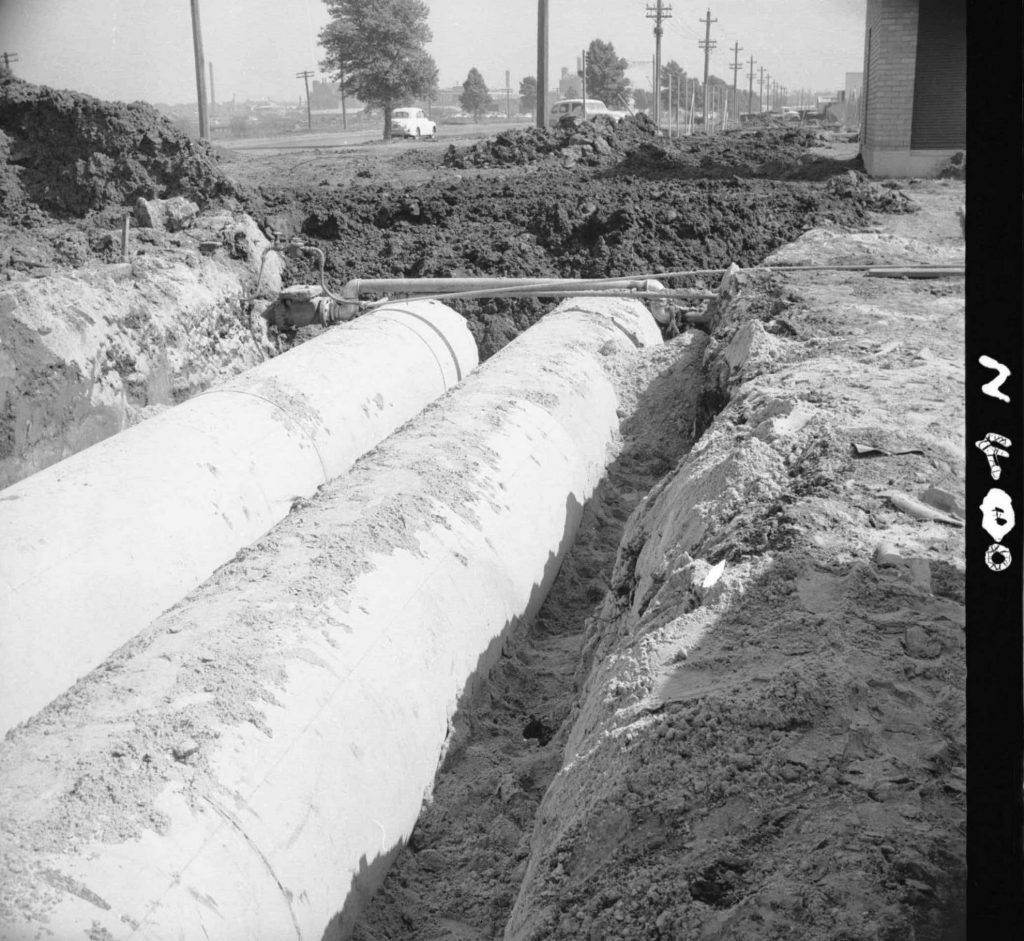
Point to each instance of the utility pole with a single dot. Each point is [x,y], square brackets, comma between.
[768,89]
[659,12]
[736,47]
[542,62]
[9,57]
[305,75]
[213,97]
[508,94]
[760,92]
[707,44]
[583,81]
[750,87]
[197,46]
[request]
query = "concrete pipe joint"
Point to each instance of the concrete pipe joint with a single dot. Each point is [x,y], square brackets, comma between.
[249,767]
[101,543]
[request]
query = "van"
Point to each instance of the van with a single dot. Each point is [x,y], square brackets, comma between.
[569,108]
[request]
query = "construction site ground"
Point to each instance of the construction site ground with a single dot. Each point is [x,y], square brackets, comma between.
[740,713]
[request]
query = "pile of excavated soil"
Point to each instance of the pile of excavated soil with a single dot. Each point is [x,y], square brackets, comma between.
[591,142]
[71,154]
[555,223]
[631,147]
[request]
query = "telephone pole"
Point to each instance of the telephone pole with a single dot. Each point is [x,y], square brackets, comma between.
[9,57]
[750,87]
[736,47]
[197,46]
[659,12]
[760,91]
[213,98]
[583,81]
[707,44]
[542,62]
[305,76]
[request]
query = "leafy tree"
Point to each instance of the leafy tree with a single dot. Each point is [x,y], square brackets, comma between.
[375,49]
[606,73]
[528,94]
[677,73]
[643,100]
[475,97]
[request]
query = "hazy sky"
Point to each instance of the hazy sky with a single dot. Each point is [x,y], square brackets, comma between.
[132,49]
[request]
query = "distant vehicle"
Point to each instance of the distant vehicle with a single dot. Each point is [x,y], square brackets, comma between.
[570,109]
[412,122]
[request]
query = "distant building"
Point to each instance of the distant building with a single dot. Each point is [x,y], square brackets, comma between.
[845,107]
[569,86]
[914,99]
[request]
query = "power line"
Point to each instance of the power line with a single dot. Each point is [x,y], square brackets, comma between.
[658,13]
[707,44]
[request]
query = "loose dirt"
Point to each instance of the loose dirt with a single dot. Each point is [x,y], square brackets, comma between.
[740,712]
[749,723]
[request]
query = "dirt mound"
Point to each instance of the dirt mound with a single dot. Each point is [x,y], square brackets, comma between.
[590,142]
[71,154]
[955,168]
[768,153]
[552,223]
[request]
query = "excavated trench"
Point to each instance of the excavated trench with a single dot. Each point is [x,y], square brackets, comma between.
[645,209]
[465,860]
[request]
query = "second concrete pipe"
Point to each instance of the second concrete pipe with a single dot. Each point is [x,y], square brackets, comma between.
[96,546]
[248,767]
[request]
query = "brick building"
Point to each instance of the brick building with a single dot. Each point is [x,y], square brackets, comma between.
[914,99]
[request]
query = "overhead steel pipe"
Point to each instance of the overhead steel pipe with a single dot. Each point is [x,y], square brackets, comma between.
[96,546]
[249,766]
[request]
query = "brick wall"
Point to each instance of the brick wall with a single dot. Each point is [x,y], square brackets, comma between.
[890,49]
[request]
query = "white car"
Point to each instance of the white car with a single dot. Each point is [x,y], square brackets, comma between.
[570,108]
[412,122]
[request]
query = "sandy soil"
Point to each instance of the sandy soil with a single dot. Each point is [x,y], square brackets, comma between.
[749,723]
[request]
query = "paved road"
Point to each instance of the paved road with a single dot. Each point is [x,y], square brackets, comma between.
[319,140]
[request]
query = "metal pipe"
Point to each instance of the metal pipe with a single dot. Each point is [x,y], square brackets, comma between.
[247,770]
[918,272]
[485,287]
[98,545]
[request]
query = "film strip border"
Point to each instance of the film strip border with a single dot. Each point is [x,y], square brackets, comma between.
[994,448]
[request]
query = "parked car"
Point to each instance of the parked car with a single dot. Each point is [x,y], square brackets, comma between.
[570,109]
[412,122]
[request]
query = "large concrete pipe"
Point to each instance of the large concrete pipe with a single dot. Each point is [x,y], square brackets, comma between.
[246,769]
[95,547]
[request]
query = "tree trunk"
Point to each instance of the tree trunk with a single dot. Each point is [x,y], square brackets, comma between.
[387,120]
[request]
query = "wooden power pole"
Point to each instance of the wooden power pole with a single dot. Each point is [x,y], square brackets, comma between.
[736,47]
[305,76]
[197,45]
[750,87]
[542,62]
[707,44]
[659,12]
